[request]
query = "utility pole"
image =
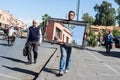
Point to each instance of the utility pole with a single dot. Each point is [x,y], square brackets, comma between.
[78,7]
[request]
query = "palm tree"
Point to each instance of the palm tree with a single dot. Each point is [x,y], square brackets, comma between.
[45,17]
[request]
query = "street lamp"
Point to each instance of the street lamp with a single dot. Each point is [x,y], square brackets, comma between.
[78,7]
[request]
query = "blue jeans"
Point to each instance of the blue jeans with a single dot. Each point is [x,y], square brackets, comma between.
[65,59]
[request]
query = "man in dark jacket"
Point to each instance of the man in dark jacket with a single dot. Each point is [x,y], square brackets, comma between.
[108,41]
[34,39]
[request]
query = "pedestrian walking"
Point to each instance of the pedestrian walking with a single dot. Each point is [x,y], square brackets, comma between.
[6,30]
[66,51]
[34,39]
[108,41]
[11,36]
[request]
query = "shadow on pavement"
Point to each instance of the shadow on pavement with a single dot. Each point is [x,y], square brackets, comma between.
[1,39]
[111,54]
[13,59]
[53,71]
[21,70]
[3,44]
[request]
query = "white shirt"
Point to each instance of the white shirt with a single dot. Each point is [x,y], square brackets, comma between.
[11,31]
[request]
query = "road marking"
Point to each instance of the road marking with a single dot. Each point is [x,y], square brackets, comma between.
[10,77]
[108,66]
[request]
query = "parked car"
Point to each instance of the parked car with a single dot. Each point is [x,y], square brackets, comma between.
[24,34]
[117,41]
[1,31]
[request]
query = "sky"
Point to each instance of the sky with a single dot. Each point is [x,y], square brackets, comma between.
[78,30]
[27,10]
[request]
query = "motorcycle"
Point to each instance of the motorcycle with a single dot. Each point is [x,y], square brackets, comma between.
[11,40]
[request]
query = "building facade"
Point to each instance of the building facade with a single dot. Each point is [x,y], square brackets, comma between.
[7,19]
[98,29]
[55,31]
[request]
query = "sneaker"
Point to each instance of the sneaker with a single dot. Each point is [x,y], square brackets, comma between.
[34,61]
[66,71]
[29,62]
[60,73]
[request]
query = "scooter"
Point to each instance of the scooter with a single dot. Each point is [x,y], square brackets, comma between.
[11,40]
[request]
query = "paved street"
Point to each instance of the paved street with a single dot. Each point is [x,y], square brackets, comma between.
[13,63]
[89,64]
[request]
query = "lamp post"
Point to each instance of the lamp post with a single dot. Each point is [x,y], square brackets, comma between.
[78,7]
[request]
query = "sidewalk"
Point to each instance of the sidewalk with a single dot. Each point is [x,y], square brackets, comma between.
[89,64]
[52,68]
[86,65]
[13,64]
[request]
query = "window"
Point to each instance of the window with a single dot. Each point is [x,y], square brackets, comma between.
[0,16]
[58,33]
[8,20]
[0,24]
[67,40]
[63,37]
[3,18]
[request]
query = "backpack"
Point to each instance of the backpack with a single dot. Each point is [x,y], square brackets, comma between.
[109,38]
